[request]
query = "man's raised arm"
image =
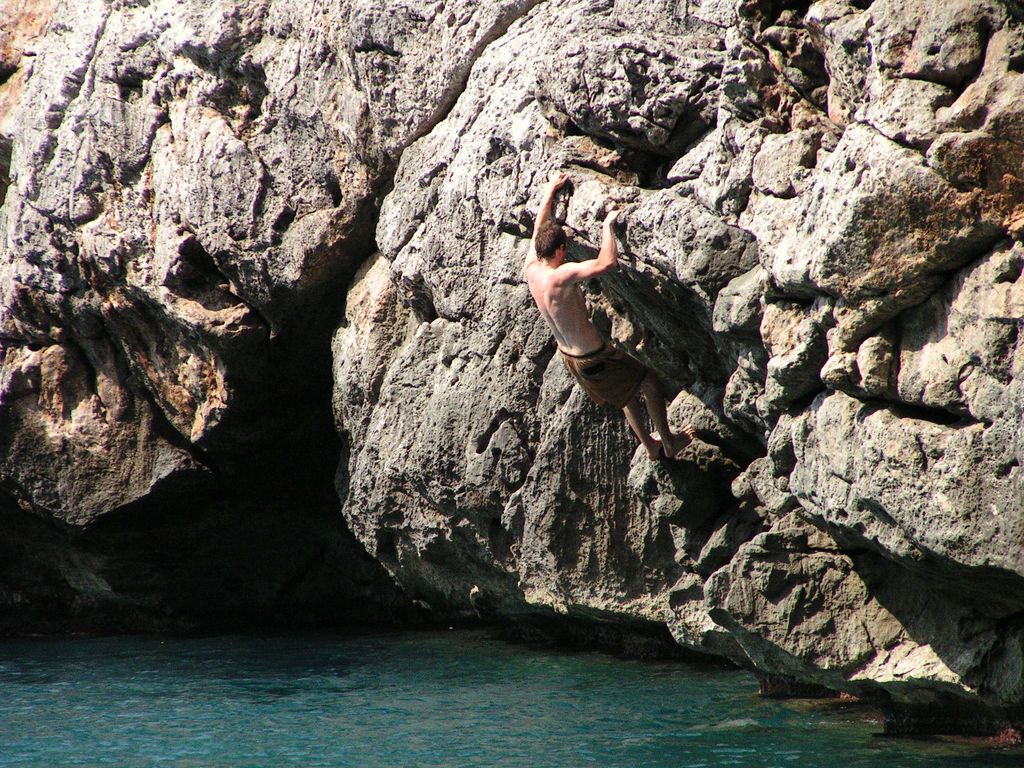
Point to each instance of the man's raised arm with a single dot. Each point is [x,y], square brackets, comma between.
[607,256]
[544,214]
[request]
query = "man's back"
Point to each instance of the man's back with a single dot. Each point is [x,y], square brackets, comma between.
[555,283]
[556,290]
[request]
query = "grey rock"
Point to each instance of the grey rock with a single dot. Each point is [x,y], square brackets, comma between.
[781,157]
[956,350]
[499,469]
[794,337]
[636,87]
[169,229]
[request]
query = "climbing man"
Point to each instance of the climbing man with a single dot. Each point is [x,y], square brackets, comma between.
[608,375]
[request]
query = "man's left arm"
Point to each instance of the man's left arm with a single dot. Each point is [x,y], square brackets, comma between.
[607,256]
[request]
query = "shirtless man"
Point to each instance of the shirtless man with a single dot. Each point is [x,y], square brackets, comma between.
[609,376]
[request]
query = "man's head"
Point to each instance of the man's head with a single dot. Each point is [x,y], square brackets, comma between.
[550,238]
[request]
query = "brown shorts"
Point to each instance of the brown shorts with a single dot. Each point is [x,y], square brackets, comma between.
[609,376]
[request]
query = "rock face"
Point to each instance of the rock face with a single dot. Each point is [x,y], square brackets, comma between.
[210,207]
[172,241]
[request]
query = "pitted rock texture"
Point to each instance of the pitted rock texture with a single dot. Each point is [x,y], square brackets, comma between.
[175,220]
[223,221]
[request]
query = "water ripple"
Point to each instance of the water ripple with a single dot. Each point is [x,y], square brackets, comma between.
[436,699]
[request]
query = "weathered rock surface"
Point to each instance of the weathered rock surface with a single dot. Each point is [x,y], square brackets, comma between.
[175,223]
[224,221]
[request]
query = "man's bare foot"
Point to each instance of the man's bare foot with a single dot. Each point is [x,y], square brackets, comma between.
[680,440]
[654,448]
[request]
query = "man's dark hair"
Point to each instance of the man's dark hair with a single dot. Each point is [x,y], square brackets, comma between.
[550,237]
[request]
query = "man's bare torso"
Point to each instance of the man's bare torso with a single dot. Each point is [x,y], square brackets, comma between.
[561,304]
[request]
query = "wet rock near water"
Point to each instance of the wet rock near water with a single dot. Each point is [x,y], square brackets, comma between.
[267,354]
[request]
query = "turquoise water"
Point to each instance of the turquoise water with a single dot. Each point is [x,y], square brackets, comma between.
[437,699]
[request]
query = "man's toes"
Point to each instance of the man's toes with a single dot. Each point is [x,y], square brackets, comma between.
[675,448]
[682,439]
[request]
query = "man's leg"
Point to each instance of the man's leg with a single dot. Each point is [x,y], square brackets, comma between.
[673,442]
[635,417]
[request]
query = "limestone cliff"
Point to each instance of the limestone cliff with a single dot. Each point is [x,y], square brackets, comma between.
[208,207]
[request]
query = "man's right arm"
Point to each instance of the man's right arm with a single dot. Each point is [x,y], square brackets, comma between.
[544,214]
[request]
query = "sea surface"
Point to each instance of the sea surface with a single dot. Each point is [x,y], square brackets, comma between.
[455,698]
